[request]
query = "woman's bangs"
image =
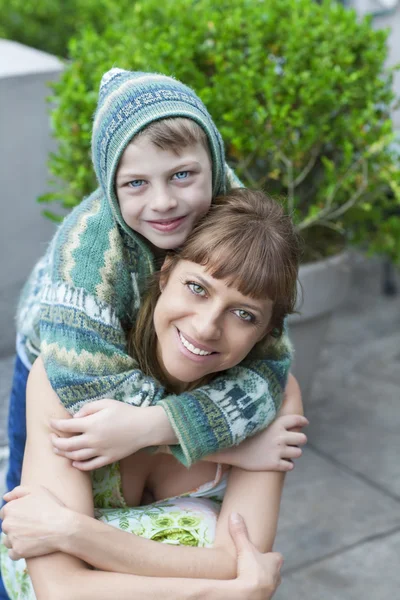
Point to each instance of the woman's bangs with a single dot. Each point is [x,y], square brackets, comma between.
[243,264]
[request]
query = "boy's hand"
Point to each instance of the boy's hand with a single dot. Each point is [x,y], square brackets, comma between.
[102,432]
[258,575]
[272,449]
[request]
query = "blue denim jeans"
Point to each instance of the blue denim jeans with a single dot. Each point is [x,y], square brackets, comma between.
[16,433]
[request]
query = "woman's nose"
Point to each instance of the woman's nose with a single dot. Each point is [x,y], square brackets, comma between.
[208,326]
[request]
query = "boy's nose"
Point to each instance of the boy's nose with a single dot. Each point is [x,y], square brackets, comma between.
[163,201]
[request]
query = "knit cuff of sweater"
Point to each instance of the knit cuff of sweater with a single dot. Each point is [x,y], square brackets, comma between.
[195,428]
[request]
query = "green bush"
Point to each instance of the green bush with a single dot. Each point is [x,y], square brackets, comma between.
[297,89]
[49,25]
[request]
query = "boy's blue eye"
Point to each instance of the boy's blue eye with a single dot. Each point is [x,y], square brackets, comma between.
[244,315]
[136,183]
[181,175]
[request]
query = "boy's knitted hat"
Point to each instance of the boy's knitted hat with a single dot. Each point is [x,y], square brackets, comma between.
[129,102]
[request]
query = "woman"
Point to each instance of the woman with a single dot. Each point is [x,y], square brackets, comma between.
[206,315]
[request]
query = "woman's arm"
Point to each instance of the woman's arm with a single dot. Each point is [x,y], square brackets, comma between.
[97,544]
[110,549]
[56,575]
[65,577]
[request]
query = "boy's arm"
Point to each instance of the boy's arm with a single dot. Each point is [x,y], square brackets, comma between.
[84,346]
[85,354]
[235,405]
[90,291]
[107,431]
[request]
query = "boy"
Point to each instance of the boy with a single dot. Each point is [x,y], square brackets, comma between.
[83,295]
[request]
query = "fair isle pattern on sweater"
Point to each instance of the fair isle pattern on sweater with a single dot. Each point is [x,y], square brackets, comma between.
[82,340]
[83,295]
[81,315]
[248,397]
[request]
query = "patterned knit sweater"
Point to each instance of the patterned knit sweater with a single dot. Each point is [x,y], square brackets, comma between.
[83,296]
[76,310]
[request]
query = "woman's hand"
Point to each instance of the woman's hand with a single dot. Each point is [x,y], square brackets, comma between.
[258,574]
[270,450]
[105,431]
[35,522]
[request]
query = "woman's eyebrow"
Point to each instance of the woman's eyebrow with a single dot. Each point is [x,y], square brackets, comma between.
[252,307]
[203,281]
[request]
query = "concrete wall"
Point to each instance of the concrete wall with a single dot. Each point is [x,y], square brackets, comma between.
[25,143]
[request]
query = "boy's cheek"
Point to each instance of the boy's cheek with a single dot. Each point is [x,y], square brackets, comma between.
[202,205]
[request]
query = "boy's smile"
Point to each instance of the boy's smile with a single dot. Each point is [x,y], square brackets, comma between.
[161,194]
[167,225]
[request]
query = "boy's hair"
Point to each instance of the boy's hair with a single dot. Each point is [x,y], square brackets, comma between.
[174,134]
[246,239]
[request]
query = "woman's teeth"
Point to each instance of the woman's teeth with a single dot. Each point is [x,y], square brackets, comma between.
[192,348]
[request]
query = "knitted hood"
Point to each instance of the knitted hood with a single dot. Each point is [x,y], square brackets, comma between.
[129,102]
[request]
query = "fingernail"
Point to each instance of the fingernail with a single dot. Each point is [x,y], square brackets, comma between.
[55,450]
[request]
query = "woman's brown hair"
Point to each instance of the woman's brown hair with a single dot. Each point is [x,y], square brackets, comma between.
[246,239]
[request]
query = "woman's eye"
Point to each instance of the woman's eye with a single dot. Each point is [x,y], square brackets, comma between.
[244,315]
[136,183]
[181,175]
[196,288]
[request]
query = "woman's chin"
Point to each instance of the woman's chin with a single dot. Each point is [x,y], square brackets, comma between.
[177,376]
[183,378]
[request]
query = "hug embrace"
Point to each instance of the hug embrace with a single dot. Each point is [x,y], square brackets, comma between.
[159,403]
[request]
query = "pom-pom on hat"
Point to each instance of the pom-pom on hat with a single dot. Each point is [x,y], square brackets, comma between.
[128,102]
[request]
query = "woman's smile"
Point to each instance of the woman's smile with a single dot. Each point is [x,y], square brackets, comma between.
[192,349]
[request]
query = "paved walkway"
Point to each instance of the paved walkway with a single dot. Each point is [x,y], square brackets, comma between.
[340,521]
